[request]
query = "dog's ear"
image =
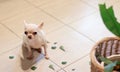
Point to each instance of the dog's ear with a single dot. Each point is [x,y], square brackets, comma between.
[41,25]
[25,24]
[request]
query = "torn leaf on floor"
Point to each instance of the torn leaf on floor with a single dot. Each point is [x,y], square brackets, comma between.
[63,62]
[51,67]
[73,69]
[62,48]
[53,47]
[55,42]
[11,57]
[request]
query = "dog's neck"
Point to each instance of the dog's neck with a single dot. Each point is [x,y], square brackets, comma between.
[35,43]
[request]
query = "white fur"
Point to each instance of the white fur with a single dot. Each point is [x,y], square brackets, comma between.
[37,41]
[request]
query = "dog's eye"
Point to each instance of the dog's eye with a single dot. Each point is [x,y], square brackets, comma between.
[26,32]
[34,33]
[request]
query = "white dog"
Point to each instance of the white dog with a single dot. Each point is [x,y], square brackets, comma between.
[34,38]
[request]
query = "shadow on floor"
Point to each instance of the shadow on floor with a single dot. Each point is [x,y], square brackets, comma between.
[27,64]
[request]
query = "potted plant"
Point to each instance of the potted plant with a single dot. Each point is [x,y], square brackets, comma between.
[105,55]
[111,63]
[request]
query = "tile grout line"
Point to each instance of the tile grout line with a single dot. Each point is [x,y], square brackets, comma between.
[55,29]
[76,60]
[68,25]
[81,33]
[83,17]
[87,4]
[8,17]
[45,12]
[14,34]
[57,65]
[9,50]
[61,21]
[10,30]
[54,16]
[49,59]
[14,14]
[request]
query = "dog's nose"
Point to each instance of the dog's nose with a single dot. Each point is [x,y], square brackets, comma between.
[30,37]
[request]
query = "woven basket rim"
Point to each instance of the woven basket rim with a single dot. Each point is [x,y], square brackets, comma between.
[92,53]
[114,56]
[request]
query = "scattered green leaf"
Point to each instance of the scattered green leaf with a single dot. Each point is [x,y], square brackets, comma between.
[11,57]
[33,68]
[109,19]
[73,69]
[55,42]
[53,47]
[62,48]
[63,62]
[51,67]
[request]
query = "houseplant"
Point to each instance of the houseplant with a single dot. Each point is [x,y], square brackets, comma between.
[108,47]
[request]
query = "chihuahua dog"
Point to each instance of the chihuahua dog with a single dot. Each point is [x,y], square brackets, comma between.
[34,39]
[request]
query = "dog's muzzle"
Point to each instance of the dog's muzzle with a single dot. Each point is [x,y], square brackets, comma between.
[30,37]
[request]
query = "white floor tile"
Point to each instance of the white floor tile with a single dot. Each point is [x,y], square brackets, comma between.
[10,65]
[94,3]
[7,39]
[20,64]
[116,9]
[38,61]
[93,27]
[80,66]
[9,8]
[39,2]
[68,10]
[35,16]
[75,46]
[111,2]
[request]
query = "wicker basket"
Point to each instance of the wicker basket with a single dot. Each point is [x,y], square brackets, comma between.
[107,47]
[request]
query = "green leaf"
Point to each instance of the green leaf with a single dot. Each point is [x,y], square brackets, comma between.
[62,48]
[55,42]
[105,60]
[33,68]
[63,62]
[109,19]
[53,47]
[109,67]
[51,67]
[73,69]
[11,57]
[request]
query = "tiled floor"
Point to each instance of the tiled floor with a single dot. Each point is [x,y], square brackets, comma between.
[74,24]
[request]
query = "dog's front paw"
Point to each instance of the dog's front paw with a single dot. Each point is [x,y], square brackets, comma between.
[46,57]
